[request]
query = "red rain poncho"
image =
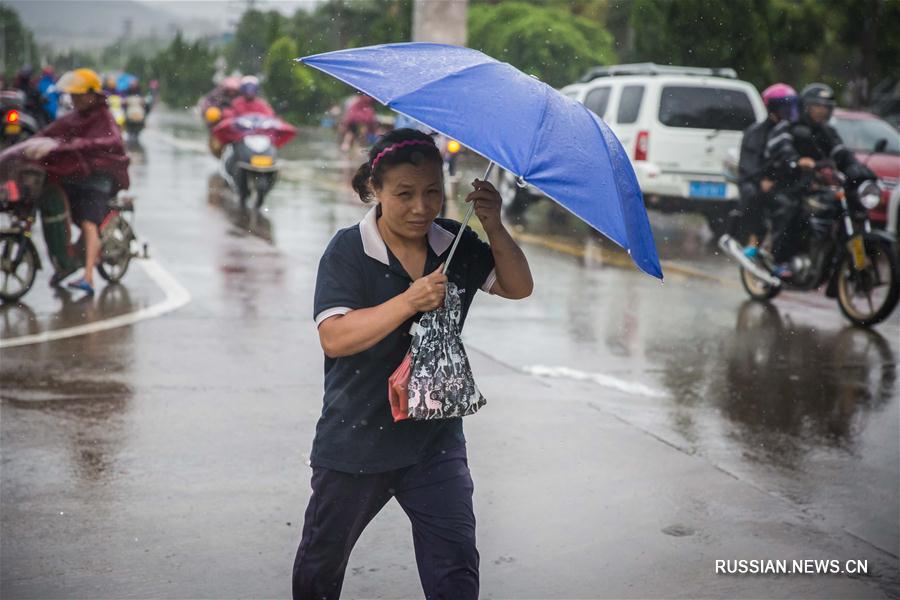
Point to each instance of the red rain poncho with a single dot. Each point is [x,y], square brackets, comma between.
[241,106]
[231,129]
[89,142]
[361,112]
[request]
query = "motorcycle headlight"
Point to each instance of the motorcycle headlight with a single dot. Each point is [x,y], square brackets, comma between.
[869,195]
[258,143]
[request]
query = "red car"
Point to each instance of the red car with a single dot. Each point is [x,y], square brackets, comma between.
[861,131]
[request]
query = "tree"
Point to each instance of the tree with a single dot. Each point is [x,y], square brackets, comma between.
[289,86]
[339,24]
[255,34]
[19,48]
[865,46]
[705,33]
[850,44]
[184,71]
[546,41]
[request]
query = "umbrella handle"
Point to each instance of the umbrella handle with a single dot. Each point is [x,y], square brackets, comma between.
[465,222]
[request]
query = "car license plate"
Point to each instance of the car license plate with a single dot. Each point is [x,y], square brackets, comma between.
[13,129]
[261,161]
[707,189]
[858,251]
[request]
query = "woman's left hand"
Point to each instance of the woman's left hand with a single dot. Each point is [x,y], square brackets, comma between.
[487,205]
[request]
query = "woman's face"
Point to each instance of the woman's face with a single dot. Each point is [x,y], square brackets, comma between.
[411,197]
[83,102]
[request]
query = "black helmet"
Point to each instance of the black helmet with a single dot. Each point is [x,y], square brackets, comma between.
[818,93]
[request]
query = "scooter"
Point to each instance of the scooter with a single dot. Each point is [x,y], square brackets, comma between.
[17,125]
[135,108]
[24,188]
[249,161]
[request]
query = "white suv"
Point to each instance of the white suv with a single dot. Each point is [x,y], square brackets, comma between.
[677,125]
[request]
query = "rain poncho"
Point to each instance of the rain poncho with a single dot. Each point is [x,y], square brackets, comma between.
[232,129]
[89,143]
[361,113]
[435,380]
[242,106]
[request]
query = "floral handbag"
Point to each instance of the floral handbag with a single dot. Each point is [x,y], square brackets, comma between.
[434,380]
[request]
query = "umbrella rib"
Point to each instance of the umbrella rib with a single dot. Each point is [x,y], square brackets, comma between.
[538,130]
[615,182]
[339,78]
[489,60]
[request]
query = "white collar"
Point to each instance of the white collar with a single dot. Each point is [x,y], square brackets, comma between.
[373,244]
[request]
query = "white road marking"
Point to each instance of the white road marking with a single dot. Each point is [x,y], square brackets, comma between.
[622,385]
[176,297]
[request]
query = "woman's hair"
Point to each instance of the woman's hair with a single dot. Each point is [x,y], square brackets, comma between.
[397,147]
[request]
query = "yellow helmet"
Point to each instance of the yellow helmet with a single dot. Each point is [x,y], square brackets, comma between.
[79,81]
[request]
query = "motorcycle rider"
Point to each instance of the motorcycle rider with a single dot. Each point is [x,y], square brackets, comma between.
[46,87]
[359,120]
[793,151]
[25,83]
[755,181]
[221,96]
[249,102]
[83,151]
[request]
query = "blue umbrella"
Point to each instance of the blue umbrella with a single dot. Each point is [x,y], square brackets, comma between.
[123,82]
[528,128]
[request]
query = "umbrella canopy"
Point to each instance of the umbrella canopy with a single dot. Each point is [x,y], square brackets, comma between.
[124,82]
[528,128]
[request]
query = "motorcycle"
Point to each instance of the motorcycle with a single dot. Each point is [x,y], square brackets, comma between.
[838,249]
[130,113]
[17,124]
[24,192]
[135,109]
[249,160]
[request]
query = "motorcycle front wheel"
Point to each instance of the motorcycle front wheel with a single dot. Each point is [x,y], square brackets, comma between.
[756,287]
[115,249]
[18,266]
[868,296]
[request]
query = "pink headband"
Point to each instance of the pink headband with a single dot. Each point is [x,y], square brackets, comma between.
[399,145]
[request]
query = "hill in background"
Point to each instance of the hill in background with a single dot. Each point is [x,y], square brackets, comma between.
[92,24]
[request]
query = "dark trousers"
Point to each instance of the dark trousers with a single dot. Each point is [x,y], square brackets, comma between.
[748,218]
[787,226]
[436,495]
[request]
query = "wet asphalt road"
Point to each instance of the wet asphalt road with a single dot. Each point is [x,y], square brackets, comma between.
[636,431]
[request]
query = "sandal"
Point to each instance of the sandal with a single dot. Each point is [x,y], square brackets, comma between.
[83,285]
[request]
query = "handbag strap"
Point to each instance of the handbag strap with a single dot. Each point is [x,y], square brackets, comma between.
[465,222]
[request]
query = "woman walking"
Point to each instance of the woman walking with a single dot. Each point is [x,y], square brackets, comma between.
[375,279]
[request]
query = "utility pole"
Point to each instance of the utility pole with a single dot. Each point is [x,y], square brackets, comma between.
[440,21]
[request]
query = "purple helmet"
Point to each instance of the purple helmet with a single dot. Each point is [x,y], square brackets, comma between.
[781,99]
[249,86]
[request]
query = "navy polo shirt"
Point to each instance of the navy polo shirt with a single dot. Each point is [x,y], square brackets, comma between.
[356,433]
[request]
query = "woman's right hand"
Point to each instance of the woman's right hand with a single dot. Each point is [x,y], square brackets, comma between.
[428,292]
